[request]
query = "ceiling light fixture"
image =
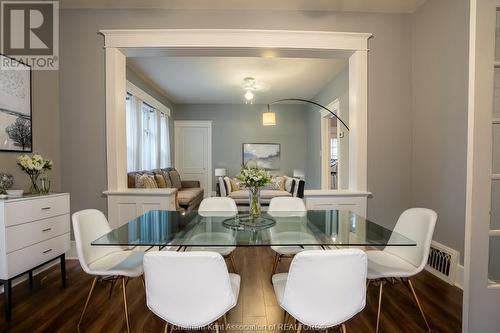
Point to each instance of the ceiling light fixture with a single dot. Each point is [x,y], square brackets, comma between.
[249,87]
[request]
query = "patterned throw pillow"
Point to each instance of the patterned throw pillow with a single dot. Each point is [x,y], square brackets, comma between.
[229,186]
[160,181]
[277,184]
[235,184]
[145,181]
[166,177]
[288,184]
[175,178]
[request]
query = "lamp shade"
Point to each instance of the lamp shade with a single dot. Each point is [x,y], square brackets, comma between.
[269,119]
[220,172]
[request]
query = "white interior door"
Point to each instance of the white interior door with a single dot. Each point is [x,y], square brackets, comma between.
[193,152]
[482,225]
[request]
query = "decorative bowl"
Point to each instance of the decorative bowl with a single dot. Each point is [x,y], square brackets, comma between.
[15,193]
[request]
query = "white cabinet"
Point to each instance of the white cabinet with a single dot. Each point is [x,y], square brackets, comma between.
[34,230]
[336,200]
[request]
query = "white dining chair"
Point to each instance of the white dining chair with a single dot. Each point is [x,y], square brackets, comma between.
[280,208]
[103,262]
[216,207]
[190,290]
[323,288]
[403,262]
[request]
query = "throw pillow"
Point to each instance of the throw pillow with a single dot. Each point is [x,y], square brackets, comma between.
[222,187]
[175,178]
[275,184]
[280,181]
[145,181]
[166,177]
[229,188]
[160,181]
[235,184]
[288,184]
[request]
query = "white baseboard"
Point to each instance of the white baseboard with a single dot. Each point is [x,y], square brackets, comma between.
[459,277]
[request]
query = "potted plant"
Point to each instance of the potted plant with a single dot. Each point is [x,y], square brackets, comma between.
[34,165]
[254,179]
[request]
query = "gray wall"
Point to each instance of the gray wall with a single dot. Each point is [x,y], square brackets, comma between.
[234,125]
[46,134]
[389,63]
[439,115]
[337,88]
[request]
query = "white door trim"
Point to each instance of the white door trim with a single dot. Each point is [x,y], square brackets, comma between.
[197,123]
[353,45]
[325,143]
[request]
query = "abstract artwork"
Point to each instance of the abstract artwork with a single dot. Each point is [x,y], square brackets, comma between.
[262,155]
[15,108]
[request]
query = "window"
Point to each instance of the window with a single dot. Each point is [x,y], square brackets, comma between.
[148,142]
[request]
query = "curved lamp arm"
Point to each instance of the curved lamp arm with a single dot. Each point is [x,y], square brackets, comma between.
[311,102]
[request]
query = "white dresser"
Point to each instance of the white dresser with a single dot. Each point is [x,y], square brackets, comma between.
[34,230]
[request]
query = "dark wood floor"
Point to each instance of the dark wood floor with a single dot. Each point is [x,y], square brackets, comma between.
[49,308]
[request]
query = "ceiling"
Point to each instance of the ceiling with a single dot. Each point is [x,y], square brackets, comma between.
[219,80]
[377,6]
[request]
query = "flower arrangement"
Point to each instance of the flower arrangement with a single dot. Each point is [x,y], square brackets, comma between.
[253,179]
[6,182]
[34,166]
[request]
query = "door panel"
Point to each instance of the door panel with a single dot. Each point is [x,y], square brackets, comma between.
[193,151]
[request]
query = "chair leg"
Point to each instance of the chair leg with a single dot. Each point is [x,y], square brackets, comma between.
[216,327]
[111,286]
[343,328]
[231,262]
[125,303]
[165,329]
[299,328]
[415,298]
[278,259]
[286,318]
[94,281]
[379,304]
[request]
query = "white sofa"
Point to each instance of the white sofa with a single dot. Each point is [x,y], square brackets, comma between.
[294,188]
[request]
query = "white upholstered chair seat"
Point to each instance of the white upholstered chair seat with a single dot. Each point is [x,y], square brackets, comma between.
[210,207]
[323,288]
[382,264]
[404,262]
[123,263]
[189,289]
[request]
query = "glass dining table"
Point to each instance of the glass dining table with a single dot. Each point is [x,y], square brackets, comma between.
[326,228]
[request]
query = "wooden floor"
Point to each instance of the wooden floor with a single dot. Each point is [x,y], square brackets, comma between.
[49,308]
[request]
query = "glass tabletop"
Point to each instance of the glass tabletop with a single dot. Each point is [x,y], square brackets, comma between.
[219,229]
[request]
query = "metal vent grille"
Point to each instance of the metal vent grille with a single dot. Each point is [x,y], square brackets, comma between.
[442,262]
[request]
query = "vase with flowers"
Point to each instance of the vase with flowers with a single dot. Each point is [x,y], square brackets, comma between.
[34,165]
[254,179]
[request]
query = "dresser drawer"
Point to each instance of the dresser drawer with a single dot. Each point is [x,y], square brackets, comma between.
[23,235]
[18,212]
[25,259]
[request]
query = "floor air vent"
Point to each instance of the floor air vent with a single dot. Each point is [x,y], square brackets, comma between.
[442,262]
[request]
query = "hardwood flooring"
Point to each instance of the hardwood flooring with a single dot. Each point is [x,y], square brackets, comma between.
[49,308]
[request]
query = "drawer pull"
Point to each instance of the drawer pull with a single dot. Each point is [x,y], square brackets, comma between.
[45,230]
[47,251]
[45,208]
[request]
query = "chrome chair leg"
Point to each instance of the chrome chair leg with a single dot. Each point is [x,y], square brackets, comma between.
[94,281]
[409,285]
[343,328]
[125,303]
[381,287]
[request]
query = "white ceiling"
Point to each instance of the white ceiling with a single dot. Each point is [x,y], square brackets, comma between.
[219,80]
[378,6]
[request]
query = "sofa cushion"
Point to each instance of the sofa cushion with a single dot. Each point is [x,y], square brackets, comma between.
[166,177]
[188,195]
[241,194]
[269,194]
[175,178]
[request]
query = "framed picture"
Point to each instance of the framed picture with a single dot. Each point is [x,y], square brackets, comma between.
[15,107]
[262,155]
